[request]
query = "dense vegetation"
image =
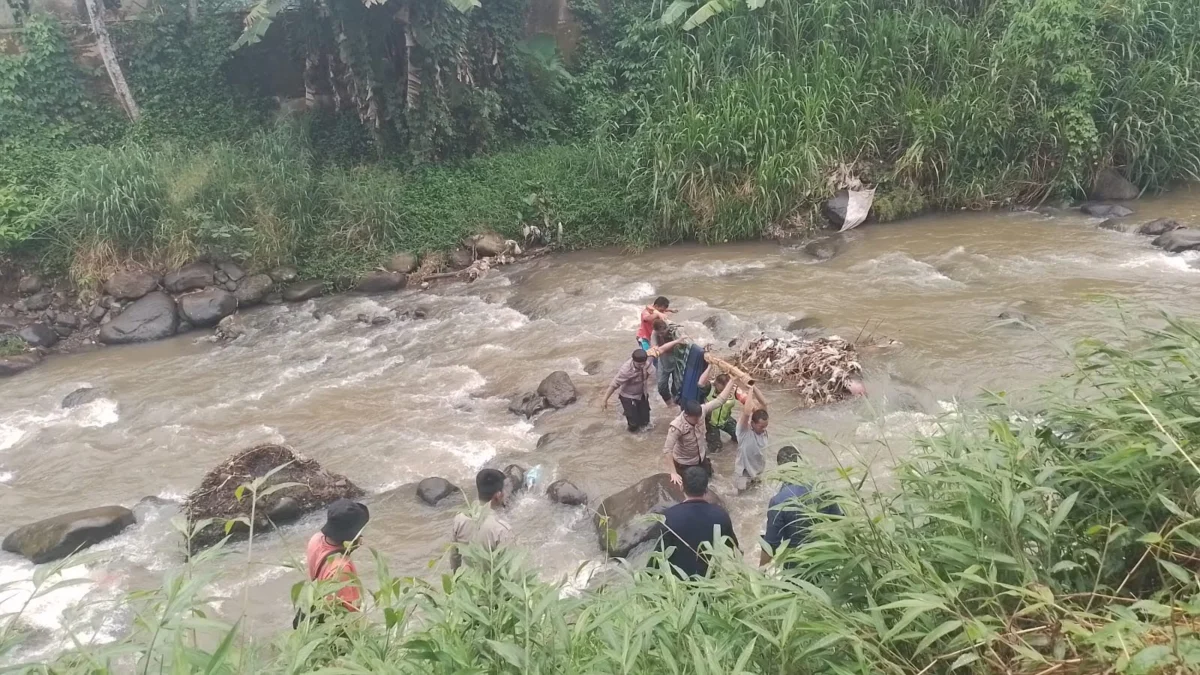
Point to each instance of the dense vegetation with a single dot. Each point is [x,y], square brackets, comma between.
[1063,537]
[715,122]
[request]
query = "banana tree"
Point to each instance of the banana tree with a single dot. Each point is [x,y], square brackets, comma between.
[706,11]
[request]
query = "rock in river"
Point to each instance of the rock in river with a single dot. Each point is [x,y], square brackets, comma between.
[60,536]
[130,285]
[215,497]
[1159,226]
[621,521]
[557,389]
[1106,210]
[381,282]
[11,365]
[39,335]
[527,405]
[253,289]
[38,302]
[565,492]
[189,277]
[82,396]
[835,207]
[433,490]
[1112,185]
[151,318]
[207,307]
[1179,240]
[303,290]
[514,479]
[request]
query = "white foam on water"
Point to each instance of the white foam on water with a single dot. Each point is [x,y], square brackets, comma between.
[721,268]
[9,435]
[6,477]
[82,604]
[632,292]
[474,454]
[907,424]
[1174,262]
[98,413]
[901,268]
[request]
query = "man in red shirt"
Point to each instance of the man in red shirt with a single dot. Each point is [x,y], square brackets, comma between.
[658,310]
[327,557]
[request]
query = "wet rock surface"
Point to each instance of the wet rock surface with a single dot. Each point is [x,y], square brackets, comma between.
[58,537]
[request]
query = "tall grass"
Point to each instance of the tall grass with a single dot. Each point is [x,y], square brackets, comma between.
[266,202]
[1062,538]
[974,104]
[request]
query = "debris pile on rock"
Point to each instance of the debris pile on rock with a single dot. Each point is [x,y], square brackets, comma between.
[216,497]
[818,369]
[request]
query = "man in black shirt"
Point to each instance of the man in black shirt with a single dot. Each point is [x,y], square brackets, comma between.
[692,522]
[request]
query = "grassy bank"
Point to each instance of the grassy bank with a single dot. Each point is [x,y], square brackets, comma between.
[266,201]
[1061,538]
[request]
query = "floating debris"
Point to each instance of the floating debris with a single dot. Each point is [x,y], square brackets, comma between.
[818,370]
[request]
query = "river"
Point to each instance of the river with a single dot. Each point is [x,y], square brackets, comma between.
[389,405]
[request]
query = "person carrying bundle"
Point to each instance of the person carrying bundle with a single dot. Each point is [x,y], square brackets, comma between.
[650,313]
[664,340]
[752,441]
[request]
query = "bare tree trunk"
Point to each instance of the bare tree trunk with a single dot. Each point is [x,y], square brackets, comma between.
[194,10]
[104,44]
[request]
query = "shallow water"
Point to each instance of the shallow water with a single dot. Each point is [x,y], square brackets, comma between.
[390,405]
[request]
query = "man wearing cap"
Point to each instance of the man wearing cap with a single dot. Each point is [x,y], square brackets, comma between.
[327,557]
[686,444]
[482,527]
[634,383]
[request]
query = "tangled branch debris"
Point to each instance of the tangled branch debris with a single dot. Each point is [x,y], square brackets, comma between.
[817,370]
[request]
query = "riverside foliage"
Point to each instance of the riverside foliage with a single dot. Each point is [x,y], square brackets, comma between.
[734,128]
[1062,537]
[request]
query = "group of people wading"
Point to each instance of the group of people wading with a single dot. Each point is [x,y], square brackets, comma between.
[665,363]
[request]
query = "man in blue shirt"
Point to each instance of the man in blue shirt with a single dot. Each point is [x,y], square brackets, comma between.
[692,522]
[788,521]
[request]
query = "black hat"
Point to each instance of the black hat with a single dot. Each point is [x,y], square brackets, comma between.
[639,356]
[344,519]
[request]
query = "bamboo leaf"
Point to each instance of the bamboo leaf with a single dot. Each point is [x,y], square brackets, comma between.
[937,633]
[1063,510]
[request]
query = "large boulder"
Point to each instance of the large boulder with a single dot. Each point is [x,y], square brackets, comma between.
[433,490]
[39,335]
[60,536]
[527,405]
[557,389]
[1159,226]
[403,262]
[825,248]
[153,317]
[12,365]
[1106,210]
[486,245]
[565,492]
[189,277]
[1114,225]
[1179,240]
[621,519]
[1112,185]
[216,495]
[207,307]
[130,285]
[303,290]
[381,282]
[65,323]
[253,289]
[82,396]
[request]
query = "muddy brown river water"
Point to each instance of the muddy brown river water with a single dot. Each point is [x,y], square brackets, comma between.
[392,404]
